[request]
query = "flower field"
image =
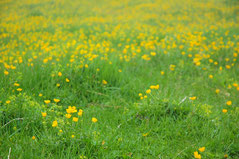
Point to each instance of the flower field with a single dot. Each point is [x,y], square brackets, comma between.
[112,79]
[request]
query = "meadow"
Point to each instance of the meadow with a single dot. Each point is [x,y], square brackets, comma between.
[112,79]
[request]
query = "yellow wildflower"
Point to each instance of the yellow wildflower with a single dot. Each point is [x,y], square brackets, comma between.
[75,119]
[67,80]
[94,120]
[47,101]
[68,116]
[6,73]
[59,74]
[229,102]
[146,134]
[43,114]
[16,84]
[19,89]
[8,101]
[193,98]
[202,149]
[104,82]
[224,110]
[148,91]
[80,112]
[153,53]
[57,100]
[54,123]
[196,155]
[217,91]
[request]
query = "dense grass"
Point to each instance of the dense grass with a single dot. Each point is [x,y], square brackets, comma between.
[107,58]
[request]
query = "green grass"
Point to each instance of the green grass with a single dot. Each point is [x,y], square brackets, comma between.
[166,124]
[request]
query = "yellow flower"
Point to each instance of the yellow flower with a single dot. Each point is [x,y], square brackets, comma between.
[97,69]
[228,66]
[211,76]
[40,95]
[229,102]
[59,74]
[71,109]
[146,134]
[224,110]
[67,80]
[43,114]
[16,84]
[6,73]
[148,91]
[156,87]
[151,87]
[145,96]
[120,70]
[193,98]
[57,100]
[217,91]
[235,84]
[141,97]
[75,119]
[140,94]
[145,57]
[54,123]
[201,149]
[58,85]
[104,82]
[72,136]
[33,138]
[60,131]
[196,155]
[172,67]
[225,156]
[162,72]
[19,89]
[153,53]
[47,101]
[68,116]
[80,112]
[8,101]
[94,120]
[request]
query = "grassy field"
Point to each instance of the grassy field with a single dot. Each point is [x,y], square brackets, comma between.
[112,79]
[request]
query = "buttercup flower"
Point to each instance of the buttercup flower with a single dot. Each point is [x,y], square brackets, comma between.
[94,120]
[54,123]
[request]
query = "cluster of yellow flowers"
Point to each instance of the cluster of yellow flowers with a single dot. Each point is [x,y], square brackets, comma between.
[197,155]
[148,91]
[72,109]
